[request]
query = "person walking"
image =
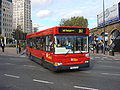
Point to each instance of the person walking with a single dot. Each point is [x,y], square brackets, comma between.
[2,46]
[17,48]
[97,48]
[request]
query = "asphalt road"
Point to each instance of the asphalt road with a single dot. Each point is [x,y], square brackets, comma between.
[19,73]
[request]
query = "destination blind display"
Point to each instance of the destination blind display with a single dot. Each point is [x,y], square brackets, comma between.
[72,30]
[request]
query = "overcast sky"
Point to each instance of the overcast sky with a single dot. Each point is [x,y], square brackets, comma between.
[48,13]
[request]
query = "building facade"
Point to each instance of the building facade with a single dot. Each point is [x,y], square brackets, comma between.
[110,28]
[35,27]
[6,17]
[22,15]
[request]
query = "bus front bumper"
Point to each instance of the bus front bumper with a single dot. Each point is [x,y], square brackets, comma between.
[78,66]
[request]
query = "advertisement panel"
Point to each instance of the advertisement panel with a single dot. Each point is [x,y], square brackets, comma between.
[112,14]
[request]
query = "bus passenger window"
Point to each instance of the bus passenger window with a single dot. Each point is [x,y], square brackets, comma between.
[49,43]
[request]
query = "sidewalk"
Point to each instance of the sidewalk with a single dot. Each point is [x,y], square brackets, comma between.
[9,51]
[115,57]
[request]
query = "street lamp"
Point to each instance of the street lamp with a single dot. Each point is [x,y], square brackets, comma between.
[104,26]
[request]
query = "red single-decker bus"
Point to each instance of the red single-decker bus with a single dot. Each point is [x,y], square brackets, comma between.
[61,47]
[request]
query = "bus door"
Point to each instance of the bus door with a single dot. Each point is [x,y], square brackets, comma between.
[49,48]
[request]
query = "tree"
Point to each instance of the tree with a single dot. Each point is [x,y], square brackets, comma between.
[75,21]
[18,34]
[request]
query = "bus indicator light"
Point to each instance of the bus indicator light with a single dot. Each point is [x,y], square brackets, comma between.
[74,59]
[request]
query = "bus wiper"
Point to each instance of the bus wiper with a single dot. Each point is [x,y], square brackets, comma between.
[67,52]
[80,50]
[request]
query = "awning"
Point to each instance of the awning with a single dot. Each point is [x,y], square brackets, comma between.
[99,38]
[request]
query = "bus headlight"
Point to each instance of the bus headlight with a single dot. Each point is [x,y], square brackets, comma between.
[86,61]
[87,55]
[57,64]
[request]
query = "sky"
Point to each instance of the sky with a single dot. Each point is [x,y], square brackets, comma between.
[48,13]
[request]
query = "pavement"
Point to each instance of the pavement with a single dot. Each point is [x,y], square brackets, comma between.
[9,51]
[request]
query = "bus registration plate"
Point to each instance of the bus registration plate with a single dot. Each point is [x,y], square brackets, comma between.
[75,67]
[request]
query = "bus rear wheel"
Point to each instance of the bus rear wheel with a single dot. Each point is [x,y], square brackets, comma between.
[30,56]
[43,63]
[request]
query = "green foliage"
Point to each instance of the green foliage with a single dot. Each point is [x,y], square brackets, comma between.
[18,34]
[75,21]
[1,38]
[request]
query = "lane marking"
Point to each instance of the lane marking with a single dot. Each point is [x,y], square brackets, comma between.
[29,66]
[41,81]
[97,57]
[13,76]
[104,57]
[116,59]
[91,58]
[110,74]
[22,56]
[117,67]
[9,64]
[85,88]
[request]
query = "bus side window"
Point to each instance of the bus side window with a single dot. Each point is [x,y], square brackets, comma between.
[33,43]
[48,43]
[44,42]
[30,43]
[38,43]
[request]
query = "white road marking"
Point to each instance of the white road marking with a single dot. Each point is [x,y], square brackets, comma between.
[9,64]
[117,67]
[29,66]
[102,58]
[22,56]
[117,59]
[110,74]
[13,76]
[91,58]
[85,88]
[97,57]
[41,81]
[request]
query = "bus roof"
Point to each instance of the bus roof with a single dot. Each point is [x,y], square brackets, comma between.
[50,31]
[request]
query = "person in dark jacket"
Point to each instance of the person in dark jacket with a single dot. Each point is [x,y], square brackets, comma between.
[2,46]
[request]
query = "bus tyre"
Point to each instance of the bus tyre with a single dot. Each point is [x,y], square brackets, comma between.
[43,63]
[30,57]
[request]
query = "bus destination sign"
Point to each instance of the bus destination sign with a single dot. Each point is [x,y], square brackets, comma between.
[72,30]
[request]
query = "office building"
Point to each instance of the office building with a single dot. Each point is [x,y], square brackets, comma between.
[6,17]
[22,15]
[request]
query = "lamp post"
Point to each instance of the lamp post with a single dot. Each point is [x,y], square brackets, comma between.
[104,26]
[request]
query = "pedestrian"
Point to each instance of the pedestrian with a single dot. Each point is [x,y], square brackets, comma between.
[17,48]
[2,46]
[97,48]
